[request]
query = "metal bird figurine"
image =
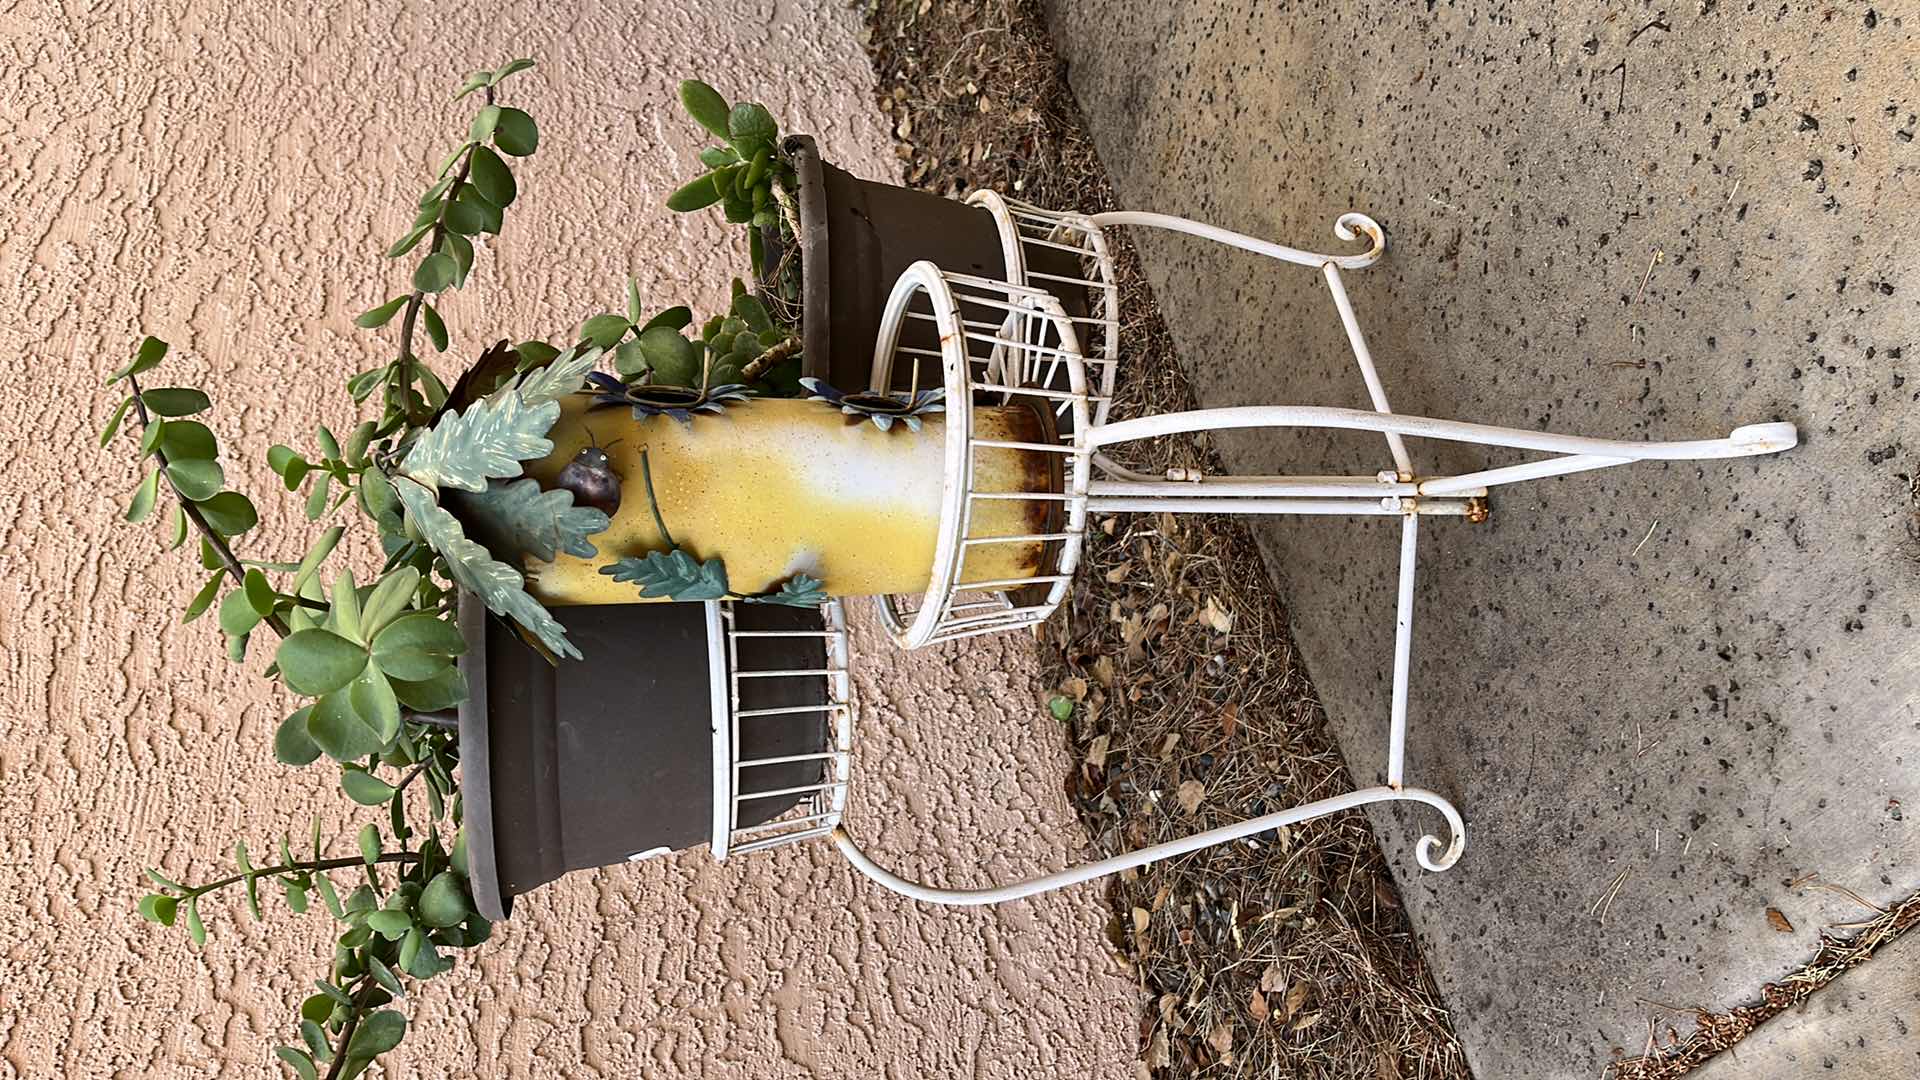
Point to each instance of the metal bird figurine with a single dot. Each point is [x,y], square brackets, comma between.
[592,480]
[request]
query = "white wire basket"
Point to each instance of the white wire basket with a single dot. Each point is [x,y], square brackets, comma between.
[1000,345]
[1064,254]
[782,725]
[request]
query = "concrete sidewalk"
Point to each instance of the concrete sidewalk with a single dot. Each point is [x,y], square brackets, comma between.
[1685,686]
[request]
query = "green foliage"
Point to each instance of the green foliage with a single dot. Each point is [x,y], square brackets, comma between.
[489,439]
[365,788]
[745,345]
[374,318]
[604,330]
[152,350]
[674,575]
[356,719]
[195,478]
[292,745]
[553,380]
[800,591]
[517,519]
[673,359]
[705,105]
[229,513]
[319,661]
[750,174]
[176,401]
[417,646]
[363,655]
[498,585]
[492,178]
[444,901]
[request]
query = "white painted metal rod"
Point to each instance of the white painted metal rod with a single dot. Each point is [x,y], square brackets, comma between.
[802,790]
[1257,505]
[1253,243]
[1364,357]
[1742,442]
[1531,470]
[1402,654]
[1424,851]
[1358,487]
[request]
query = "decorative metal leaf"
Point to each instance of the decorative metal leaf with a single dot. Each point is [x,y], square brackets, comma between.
[674,574]
[799,591]
[517,518]
[561,377]
[498,585]
[488,439]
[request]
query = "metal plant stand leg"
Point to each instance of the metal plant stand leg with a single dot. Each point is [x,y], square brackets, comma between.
[1034,318]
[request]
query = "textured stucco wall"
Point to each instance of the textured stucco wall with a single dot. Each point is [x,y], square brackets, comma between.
[223,176]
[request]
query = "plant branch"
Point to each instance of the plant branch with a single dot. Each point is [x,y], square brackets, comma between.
[403,365]
[346,1030]
[408,779]
[299,865]
[758,366]
[221,549]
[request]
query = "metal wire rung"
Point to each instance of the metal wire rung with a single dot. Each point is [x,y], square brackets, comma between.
[1045,448]
[781,840]
[784,823]
[1013,583]
[1012,616]
[1002,604]
[745,763]
[1035,391]
[1023,538]
[791,710]
[1085,283]
[801,790]
[1023,346]
[784,674]
[975,324]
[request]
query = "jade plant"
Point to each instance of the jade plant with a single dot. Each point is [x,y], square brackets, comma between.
[375,659]
[436,475]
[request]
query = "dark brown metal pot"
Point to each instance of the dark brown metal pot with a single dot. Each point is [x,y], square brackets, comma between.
[594,761]
[865,234]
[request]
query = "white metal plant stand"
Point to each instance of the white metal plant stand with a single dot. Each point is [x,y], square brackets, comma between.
[1014,341]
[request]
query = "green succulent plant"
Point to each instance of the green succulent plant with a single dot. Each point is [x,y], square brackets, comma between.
[376,660]
[750,176]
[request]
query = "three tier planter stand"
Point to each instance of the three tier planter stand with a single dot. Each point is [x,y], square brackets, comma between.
[746,733]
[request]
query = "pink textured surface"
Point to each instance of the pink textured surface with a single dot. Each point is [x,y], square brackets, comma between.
[222,176]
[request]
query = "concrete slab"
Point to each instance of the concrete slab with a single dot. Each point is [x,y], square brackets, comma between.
[1861,1024]
[1700,680]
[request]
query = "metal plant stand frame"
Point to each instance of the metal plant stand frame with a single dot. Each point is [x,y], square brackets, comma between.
[1013,341]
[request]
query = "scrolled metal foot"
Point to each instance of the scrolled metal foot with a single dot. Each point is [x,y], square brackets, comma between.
[1428,844]
[1351,226]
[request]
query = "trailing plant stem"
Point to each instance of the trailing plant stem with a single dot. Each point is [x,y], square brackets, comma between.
[354,1013]
[298,866]
[758,365]
[221,549]
[403,365]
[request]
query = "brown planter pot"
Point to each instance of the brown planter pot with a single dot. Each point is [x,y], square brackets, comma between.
[599,760]
[866,234]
